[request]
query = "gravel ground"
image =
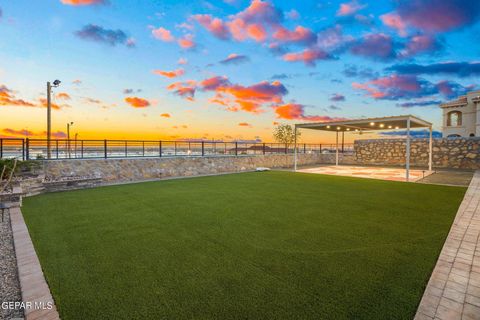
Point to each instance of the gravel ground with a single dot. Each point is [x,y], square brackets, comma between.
[9,284]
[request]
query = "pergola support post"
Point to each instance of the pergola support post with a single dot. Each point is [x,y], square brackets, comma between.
[430,149]
[295,149]
[336,151]
[407,151]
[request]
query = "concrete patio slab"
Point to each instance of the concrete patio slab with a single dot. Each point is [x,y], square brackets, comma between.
[453,291]
[382,173]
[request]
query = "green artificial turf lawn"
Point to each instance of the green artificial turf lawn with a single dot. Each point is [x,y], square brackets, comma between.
[272,245]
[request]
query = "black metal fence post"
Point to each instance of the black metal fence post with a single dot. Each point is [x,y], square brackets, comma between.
[23,150]
[81,150]
[143,148]
[126,149]
[305,148]
[286,148]
[160,149]
[264,148]
[1,148]
[236,148]
[56,145]
[105,148]
[27,150]
[203,148]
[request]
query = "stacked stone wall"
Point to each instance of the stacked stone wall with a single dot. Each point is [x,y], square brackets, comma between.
[458,153]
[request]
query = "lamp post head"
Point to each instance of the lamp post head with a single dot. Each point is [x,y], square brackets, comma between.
[57,82]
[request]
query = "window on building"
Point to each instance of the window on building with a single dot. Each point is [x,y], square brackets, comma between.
[454,119]
[472,134]
[453,136]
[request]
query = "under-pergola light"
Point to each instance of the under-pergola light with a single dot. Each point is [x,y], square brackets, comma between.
[389,127]
[328,127]
[372,123]
[397,127]
[338,128]
[382,125]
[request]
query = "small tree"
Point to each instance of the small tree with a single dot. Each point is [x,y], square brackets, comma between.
[285,133]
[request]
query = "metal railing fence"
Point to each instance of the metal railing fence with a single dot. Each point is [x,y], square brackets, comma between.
[35,149]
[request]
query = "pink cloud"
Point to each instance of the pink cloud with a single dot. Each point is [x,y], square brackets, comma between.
[299,34]
[82,2]
[182,61]
[214,83]
[394,21]
[295,111]
[307,56]
[396,87]
[163,34]
[350,8]
[251,23]
[439,16]
[420,44]
[214,25]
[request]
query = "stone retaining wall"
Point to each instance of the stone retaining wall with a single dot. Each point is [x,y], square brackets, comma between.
[123,170]
[458,153]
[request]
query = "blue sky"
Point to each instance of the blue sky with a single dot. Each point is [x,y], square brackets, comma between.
[289,62]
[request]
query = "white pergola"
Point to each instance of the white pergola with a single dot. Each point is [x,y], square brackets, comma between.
[372,124]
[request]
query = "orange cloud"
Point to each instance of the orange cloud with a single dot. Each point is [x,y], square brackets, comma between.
[12,133]
[8,99]
[165,115]
[257,32]
[233,96]
[187,42]
[43,103]
[163,34]
[63,95]
[137,102]
[244,124]
[170,74]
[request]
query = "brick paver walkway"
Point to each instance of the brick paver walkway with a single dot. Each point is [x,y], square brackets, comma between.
[453,291]
[34,288]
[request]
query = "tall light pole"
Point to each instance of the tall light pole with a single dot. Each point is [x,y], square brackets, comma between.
[56,83]
[69,124]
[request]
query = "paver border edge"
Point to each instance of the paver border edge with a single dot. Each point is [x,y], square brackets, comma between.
[441,273]
[34,288]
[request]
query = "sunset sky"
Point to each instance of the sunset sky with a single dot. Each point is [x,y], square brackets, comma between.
[231,69]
